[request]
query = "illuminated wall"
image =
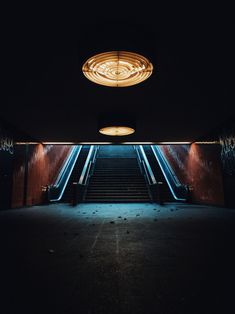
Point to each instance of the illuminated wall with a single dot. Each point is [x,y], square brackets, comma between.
[43,163]
[198,166]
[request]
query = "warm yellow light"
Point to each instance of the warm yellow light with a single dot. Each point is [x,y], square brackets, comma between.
[117,68]
[117,130]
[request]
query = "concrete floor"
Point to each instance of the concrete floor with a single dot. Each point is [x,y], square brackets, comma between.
[117,258]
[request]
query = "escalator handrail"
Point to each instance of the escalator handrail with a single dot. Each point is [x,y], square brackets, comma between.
[87,166]
[172,180]
[146,166]
[65,166]
[166,165]
[63,177]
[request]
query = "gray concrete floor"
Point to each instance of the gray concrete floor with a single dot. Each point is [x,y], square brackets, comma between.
[117,258]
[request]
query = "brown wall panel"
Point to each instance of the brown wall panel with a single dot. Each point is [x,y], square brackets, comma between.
[44,162]
[198,166]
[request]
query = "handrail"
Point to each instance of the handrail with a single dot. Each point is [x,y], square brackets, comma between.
[65,167]
[80,186]
[166,165]
[145,170]
[87,166]
[146,166]
[177,189]
[56,190]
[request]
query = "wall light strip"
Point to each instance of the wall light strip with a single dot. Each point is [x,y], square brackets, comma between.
[207,142]
[26,143]
[173,143]
[59,143]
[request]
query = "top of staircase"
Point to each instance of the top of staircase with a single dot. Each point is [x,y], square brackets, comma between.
[116,151]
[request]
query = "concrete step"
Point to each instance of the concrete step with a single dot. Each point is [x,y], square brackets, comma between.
[116,187]
[110,200]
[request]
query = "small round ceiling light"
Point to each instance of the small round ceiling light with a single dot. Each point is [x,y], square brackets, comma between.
[117,68]
[117,130]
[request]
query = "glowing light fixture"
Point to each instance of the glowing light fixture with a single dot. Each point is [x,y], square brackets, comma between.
[117,68]
[117,130]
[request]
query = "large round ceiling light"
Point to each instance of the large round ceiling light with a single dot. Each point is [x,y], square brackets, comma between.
[117,68]
[116,130]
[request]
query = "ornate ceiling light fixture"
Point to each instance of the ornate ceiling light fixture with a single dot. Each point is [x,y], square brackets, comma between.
[117,68]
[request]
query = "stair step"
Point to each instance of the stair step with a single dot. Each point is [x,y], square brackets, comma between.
[122,168]
[117,183]
[118,190]
[114,172]
[116,186]
[113,195]
[119,187]
[106,193]
[117,166]
[118,196]
[118,174]
[117,178]
[109,200]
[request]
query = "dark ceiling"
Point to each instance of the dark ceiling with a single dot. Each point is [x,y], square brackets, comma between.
[187,98]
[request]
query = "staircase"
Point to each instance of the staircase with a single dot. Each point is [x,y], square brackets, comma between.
[117,177]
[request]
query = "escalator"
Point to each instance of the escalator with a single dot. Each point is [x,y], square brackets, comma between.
[75,175]
[166,195]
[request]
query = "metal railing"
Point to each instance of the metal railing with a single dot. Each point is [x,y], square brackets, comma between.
[79,188]
[145,164]
[86,172]
[178,190]
[147,172]
[55,191]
